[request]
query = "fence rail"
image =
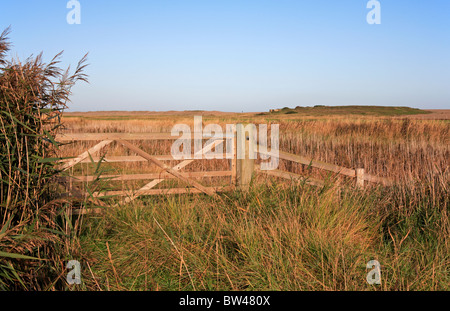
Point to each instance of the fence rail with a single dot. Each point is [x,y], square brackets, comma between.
[67,137]
[358,173]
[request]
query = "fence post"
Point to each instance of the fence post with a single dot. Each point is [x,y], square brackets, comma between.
[233,161]
[245,165]
[360,172]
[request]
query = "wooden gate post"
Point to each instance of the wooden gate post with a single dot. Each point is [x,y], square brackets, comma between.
[360,178]
[244,166]
[233,160]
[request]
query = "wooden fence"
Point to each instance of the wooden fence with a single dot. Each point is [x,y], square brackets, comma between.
[240,171]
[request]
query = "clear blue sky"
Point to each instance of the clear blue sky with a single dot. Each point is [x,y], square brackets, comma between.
[243,55]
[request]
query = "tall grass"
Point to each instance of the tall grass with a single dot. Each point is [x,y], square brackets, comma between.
[33,95]
[276,237]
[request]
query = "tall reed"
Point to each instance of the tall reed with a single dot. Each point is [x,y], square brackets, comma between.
[33,95]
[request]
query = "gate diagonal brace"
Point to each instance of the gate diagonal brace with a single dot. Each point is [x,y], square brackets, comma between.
[85,154]
[177,167]
[173,171]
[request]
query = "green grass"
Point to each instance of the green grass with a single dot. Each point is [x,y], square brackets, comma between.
[352,110]
[276,237]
